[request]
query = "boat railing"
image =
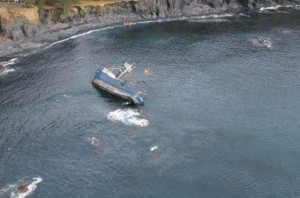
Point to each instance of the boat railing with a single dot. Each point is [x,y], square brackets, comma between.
[122,71]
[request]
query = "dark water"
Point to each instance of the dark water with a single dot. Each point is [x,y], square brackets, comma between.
[223,111]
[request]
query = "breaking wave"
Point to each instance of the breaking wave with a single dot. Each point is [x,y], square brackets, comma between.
[7,71]
[82,34]
[286,31]
[244,15]
[9,62]
[211,18]
[273,8]
[94,141]
[19,190]
[128,117]
[262,42]
[66,96]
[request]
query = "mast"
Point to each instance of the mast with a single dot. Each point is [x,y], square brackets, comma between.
[128,69]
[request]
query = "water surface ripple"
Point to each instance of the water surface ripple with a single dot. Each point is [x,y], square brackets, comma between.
[222,112]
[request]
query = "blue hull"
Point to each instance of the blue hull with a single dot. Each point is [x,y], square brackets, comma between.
[114,87]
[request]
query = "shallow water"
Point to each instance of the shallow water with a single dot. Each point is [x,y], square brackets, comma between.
[222,112]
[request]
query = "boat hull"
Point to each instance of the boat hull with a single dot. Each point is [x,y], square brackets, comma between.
[115,88]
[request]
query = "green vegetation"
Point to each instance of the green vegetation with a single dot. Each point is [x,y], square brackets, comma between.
[65,5]
[29,3]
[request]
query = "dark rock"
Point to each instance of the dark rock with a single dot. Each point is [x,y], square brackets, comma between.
[19,29]
[16,34]
[2,69]
[23,189]
[29,29]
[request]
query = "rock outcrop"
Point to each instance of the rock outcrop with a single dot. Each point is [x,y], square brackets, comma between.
[17,23]
[23,189]
[169,8]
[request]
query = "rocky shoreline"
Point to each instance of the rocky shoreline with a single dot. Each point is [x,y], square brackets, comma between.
[47,36]
[54,26]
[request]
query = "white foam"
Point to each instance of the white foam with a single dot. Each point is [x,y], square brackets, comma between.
[9,62]
[286,31]
[265,42]
[31,187]
[83,34]
[13,192]
[66,96]
[5,190]
[244,15]
[94,141]
[126,103]
[211,18]
[128,117]
[270,8]
[274,7]
[7,71]
[153,148]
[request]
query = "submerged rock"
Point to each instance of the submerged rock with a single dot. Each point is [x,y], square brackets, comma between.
[23,189]
[95,141]
[2,69]
[263,42]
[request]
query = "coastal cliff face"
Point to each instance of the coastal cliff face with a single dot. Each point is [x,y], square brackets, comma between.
[154,9]
[18,25]
[168,8]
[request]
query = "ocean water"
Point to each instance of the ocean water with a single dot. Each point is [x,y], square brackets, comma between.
[221,115]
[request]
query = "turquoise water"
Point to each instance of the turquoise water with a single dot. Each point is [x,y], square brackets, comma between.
[221,115]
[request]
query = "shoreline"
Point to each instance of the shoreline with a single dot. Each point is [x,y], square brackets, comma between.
[61,32]
[54,34]
[46,38]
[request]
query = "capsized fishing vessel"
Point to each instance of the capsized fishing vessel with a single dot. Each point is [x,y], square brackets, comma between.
[105,80]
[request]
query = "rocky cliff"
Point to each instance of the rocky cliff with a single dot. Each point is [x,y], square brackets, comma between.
[19,26]
[17,23]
